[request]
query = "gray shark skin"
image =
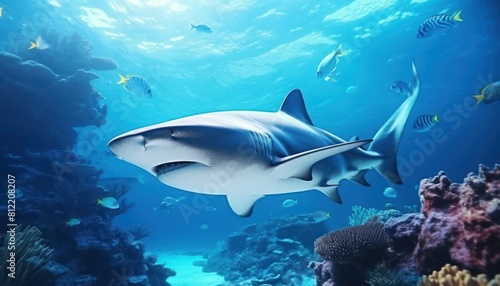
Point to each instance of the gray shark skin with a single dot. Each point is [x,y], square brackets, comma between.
[246,155]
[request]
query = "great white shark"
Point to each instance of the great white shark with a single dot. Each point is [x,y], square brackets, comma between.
[246,155]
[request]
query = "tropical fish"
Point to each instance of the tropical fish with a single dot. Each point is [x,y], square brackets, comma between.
[289,203]
[424,123]
[137,85]
[201,28]
[39,44]
[204,226]
[73,221]
[390,192]
[489,94]
[402,87]
[321,216]
[328,64]
[210,209]
[438,25]
[108,202]
[283,149]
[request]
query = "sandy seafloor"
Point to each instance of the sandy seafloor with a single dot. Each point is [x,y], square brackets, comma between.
[191,275]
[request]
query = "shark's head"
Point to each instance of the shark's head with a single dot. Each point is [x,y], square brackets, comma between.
[182,151]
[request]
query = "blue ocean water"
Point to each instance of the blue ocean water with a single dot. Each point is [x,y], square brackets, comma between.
[258,52]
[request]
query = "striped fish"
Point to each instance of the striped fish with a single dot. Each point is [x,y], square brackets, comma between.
[424,123]
[137,85]
[438,25]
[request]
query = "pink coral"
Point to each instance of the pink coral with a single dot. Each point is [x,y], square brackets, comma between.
[462,222]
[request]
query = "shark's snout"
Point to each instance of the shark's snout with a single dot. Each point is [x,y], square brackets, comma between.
[121,146]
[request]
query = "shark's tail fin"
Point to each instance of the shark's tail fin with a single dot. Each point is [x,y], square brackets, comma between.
[386,141]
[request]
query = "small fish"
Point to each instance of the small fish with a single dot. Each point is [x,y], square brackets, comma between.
[137,85]
[390,206]
[438,25]
[204,226]
[108,202]
[73,221]
[390,192]
[328,64]
[210,209]
[489,94]
[321,216]
[170,201]
[351,89]
[289,203]
[201,28]
[1,11]
[424,123]
[402,87]
[39,44]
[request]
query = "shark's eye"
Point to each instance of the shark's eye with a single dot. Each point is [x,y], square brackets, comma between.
[172,132]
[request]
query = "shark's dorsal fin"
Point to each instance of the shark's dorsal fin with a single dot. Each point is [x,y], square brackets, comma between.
[299,164]
[294,106]
[242,205]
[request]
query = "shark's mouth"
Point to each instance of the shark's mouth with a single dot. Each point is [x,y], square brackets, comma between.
[171,166]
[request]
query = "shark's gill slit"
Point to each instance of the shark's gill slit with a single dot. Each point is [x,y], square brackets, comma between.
[169,167]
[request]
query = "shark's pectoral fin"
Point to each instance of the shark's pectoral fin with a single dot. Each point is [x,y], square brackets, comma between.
[331,191]
[242,205]
[299,165]
[360,178]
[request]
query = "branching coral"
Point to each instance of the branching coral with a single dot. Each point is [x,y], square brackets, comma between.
[353,244]
[139,231]
[452,276]
[361,215]
[31,256]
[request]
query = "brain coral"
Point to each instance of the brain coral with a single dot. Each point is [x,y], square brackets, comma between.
[353,244]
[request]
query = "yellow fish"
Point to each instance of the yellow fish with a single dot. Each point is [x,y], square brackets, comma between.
[39,44]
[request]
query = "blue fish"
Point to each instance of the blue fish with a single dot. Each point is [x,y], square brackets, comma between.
[137,85]
[402,87]
[390,192]
[424,123]
[489,94]
[201,28]
[438,25]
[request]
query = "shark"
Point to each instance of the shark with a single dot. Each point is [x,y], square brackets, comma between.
[246,155]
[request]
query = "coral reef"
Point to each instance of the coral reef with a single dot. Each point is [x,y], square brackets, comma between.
[31,256]
[276,252]
[453,276]
[51,106]
[459,224]
[47,102]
